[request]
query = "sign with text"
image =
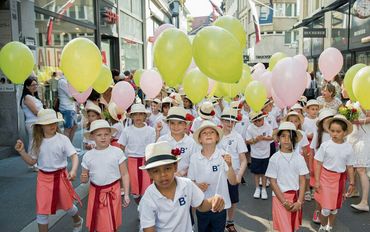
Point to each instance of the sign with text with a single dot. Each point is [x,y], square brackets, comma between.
[314,33]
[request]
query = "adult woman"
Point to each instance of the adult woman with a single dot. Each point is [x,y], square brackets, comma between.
[31,105]
[327,98]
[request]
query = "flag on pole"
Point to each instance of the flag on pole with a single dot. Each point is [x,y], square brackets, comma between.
[215,7]
[257,29]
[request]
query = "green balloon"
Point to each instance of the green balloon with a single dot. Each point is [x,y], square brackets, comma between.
[195,85]
[244,80]
[16,61]
[137,76]
[217,53]
[276,57]
[348,80]
[234,26]
[172,55]
[104,80]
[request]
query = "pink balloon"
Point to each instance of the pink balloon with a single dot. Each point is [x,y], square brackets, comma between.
[123,94]
[289,80]
[308,78]
[302,59]
[257,74]
[80,97]
[161,29]
[211,84]
[330,63]
[277,101]
[151,83]
[259,66]
[266,81]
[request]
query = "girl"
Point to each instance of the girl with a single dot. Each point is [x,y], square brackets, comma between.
[105,166]
[188,105]
[50,150]
[133,140]
[160,127]
[328,99]
[93,112]
[210,169]
[205,112]
[309,124]
[233,143]
[287,170]
[334,159]
[155,105]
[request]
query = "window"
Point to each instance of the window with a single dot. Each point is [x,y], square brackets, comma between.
[289,9]
[81,12]
[131,27]
[290,37]
[279,9]
[132,6]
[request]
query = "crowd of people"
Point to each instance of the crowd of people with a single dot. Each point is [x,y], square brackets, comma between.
[180,160]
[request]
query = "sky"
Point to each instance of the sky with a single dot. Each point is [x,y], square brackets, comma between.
[200,7]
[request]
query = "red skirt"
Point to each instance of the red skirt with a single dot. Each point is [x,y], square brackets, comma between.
[139,179]
[104,208]
[312,173]
[332,187]
[284,220]
[54,191]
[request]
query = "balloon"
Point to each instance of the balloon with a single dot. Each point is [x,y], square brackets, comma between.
[151,83]
[211,85]
[218,90]
[259,66]
[81,63]
[123,94]
[230,90]
[276,57]
[104,80]
[218,55]
[255,95]
[161,29]
[80,97]
[257,74]
[308,79]
[361,86]
[233,26]
[191,66]
[172,56]
[16,61]
[195,85]
[277,101]
[266,81]
[289,80]
[247,68]
[137,76]
[302,59]
[330,63]
[244,80]
[348,80]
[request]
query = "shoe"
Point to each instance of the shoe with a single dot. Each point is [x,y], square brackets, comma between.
[316,217]
[307,196]
[322,228]
[230,228]
[264,194]
[360,207]
[77,227]
[257,193]
[329,228]
[354,194]
[243,181]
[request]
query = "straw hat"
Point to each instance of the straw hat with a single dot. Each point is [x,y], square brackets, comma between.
[268,102]
[253,116]
[230,114]
[158,154]
[303,99]
[236,105]
[293,113]
[92,107]
[325,113]
[138,108]
[48,116]
[290,127]
[99,124]
[176,99]
[206,110]
[167,100]
[296,107]
[170,90]
[181,92]
[115,112]
[214,100]
[342,118]
[312,102]
[207,124]
[176,113]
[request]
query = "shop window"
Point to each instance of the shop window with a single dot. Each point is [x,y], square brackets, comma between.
[290,37]
[131,54]
[131,27]
[137,8]
[279,9]
[290,9]
[81,12]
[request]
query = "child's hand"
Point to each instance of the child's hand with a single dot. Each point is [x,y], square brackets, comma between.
[72,175]
[158,127]
[259,138]
[227,159]
[295,207]
[317,186]
[126,200]
[90,146]
[218,203]
[19,146]
[84,178]
[288,205]
[238,179]
[203,186]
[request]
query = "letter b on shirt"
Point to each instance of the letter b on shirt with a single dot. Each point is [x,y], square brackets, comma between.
[214,168]
[182,201]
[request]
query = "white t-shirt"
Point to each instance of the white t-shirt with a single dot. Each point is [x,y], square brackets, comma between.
[325,137]
[286,169]
[136,139]
[260,150]
[103,165]
[165,128]
[66,101]
[271,120]
[309,125]
[187,147]
[54,152]
[212,171]
[301,144]
[119,127]
[241,127]
[233,144]
[168,215]
[198,121]
[276,112]
[153,119]
[335,157]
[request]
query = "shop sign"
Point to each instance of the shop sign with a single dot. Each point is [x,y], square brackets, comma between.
[49,56]
[109,16]
[5,84]
[314,33]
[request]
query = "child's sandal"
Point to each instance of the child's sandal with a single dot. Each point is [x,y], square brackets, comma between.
[230,228]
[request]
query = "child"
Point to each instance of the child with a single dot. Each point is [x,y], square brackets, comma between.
[271,120]
[105,166]
[166,202]
[188,105]
[259,137]
[50,150]
[233,143]
[93,112]
[178,139]
[205,112]
[117,116]
[297,108]
[334,159]
[309,124]
[287,170]
[210,169]
[160,127]
[155,105]
[134,139]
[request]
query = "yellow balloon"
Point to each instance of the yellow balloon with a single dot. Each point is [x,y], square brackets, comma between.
[275,58]
[361,87]
[104,80]
[195,85]
[244,80]
[81,62]
[255,95]
[218,55]
[172,55]
[16,61]
[137,76]
[234,26]
[230,90]
[348,80]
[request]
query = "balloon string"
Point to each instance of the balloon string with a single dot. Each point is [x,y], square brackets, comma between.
[221,170]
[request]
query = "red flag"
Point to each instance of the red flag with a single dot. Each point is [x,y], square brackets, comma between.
[257,29]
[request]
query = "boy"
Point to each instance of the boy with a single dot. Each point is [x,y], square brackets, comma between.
[155,106]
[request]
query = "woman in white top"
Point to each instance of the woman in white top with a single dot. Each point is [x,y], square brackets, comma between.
[328,99]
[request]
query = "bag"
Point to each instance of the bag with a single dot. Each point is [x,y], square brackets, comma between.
[311,92]
[56,104]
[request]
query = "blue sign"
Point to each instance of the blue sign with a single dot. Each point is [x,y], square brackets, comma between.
[265,14]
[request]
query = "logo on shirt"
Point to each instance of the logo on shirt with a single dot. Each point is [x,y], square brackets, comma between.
[231,142]
[182,201]
[264,133]
[215,168]
[183,149]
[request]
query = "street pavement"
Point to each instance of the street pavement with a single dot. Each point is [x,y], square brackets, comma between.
[17,197]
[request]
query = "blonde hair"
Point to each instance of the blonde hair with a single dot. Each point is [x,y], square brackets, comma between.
[38,137]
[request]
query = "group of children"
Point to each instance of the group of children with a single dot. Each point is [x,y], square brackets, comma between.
[177,168]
